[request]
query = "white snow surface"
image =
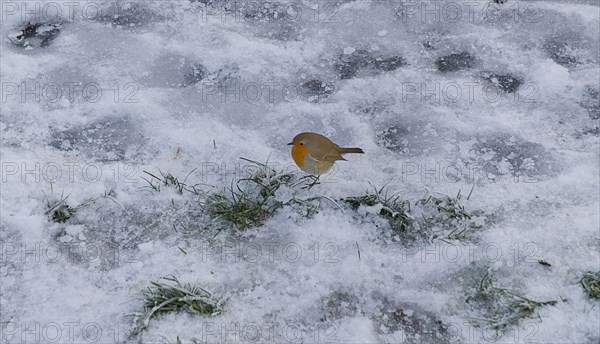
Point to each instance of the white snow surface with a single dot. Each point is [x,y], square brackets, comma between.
[149,95]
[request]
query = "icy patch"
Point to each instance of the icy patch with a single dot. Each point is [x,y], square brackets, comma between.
[504,153]
[109,139]
[174,71]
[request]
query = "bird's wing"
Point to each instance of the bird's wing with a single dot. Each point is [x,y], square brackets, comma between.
[332,157]
[328,155]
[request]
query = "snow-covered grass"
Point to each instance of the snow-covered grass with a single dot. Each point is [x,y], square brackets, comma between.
[591,283]
[59,209]
[172,296]
[501,308]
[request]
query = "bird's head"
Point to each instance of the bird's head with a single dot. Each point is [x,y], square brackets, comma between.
[305,140]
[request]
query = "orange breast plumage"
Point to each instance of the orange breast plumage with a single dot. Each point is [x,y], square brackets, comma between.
[298,154]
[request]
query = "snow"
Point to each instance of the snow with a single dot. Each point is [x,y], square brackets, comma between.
[179,86]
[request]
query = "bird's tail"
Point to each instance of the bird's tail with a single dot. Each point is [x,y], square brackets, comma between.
[351,150]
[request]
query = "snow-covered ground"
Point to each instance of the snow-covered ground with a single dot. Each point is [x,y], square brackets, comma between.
[440,95]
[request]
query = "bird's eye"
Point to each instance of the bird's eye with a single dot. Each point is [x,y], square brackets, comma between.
[301,143]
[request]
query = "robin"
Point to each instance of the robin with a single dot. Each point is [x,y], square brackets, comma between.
[315,154]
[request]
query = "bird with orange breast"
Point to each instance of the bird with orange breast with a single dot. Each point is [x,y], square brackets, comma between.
[315,154]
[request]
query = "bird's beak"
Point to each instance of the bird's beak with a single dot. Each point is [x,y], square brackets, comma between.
[291,143]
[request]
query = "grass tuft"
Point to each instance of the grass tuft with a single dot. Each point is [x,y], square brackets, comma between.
[432,217]
[366,200]
[447,218]
[591,284]
[395,210]
[59,211]
[500,308]
[250,201]
[450,207]
[247,202]
[172,296]
[168,180]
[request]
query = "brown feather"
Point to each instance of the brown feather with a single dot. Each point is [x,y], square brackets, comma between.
[351,150]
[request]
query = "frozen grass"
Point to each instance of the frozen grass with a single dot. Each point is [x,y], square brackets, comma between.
[393,209]
[499,308]
[432,217]
[450,208]
[449,219]
[172,296]
[250,201]
[58,210]
[168,180]
[591,284]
